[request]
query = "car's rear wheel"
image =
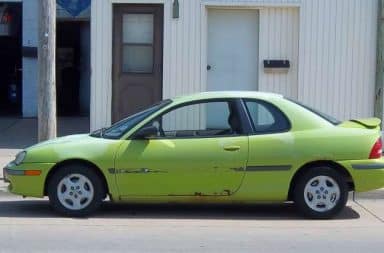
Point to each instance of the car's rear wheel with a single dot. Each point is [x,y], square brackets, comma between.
[75,190]
[321,193]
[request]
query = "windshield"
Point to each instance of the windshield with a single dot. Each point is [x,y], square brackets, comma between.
[318,113]
[118,129]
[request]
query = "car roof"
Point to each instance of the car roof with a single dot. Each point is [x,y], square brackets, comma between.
[227,94]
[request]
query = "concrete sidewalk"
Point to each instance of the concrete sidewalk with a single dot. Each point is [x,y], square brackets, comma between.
[18,133]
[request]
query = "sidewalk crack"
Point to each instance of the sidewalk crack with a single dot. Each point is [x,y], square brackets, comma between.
[366,209]
[9,126]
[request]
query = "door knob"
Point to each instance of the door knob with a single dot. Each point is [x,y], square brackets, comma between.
[209,67]
[232,148]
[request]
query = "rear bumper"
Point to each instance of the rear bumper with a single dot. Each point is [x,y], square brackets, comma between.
[367,174]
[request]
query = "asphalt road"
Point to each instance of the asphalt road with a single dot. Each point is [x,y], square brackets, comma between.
[28,225]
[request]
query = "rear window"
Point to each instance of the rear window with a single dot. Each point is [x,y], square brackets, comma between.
[328,118]
[266,118]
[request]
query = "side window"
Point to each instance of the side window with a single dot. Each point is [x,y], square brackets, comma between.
[198,120]
[266,118]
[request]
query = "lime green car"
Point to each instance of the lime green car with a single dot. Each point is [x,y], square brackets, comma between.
[213,147]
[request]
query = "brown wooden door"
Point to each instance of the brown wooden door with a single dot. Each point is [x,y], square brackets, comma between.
[137,58]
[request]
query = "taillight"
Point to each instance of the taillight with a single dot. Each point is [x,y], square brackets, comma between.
[376,150]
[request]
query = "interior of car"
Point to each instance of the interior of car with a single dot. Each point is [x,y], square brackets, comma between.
[216,124]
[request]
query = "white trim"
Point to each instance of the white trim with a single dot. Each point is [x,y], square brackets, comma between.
[204,47]
[166,29]
[137,1]
[246,4]
[101,84]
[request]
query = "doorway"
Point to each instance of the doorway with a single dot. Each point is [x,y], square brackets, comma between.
[73,68]
[137,58]
[10,59]
[233,47]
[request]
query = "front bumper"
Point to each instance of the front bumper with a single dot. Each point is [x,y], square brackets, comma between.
[5,174]
[367,174]
[21,184]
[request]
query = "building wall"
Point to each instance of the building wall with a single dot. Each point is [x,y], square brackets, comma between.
[279,39]
[30,70]
[338,56]
[30,65]
[331,46]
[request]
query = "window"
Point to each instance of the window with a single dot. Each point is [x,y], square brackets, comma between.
[118,129]
[199,120]
[138,43]
[266,118]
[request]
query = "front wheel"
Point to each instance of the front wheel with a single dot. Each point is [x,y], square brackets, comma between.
[75,190]
[321,193]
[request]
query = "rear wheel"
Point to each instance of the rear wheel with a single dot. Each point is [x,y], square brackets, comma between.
[75,190]
[321,193]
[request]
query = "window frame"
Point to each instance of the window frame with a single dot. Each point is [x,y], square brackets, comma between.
[267,105]
[152,45]
[238,107]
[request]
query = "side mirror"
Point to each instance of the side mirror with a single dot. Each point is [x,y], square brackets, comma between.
[146,132]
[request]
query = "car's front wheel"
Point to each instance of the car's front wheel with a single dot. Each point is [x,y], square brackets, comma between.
[75,190]
[321,192]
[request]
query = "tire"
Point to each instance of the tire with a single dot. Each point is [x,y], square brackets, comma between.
[321,193]
[75,191]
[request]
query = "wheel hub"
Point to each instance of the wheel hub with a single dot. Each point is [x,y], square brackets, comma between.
[75,191]
[321,193]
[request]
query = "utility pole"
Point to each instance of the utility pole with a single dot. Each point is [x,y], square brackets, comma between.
[47,70]
[379,87]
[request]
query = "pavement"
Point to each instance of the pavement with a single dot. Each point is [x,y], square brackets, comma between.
[18,133]
[29,225]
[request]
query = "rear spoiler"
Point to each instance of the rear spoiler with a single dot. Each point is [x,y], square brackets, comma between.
[370,123]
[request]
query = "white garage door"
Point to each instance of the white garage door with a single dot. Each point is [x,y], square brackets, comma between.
[233,42]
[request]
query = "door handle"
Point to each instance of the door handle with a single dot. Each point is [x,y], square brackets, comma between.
[231,148]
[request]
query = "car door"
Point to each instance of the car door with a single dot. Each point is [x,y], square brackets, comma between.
[272,155]
[200,150]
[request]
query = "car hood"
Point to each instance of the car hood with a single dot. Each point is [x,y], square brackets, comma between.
[60,140]
[79,146]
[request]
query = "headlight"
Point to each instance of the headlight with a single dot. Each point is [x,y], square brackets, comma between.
[20,157]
